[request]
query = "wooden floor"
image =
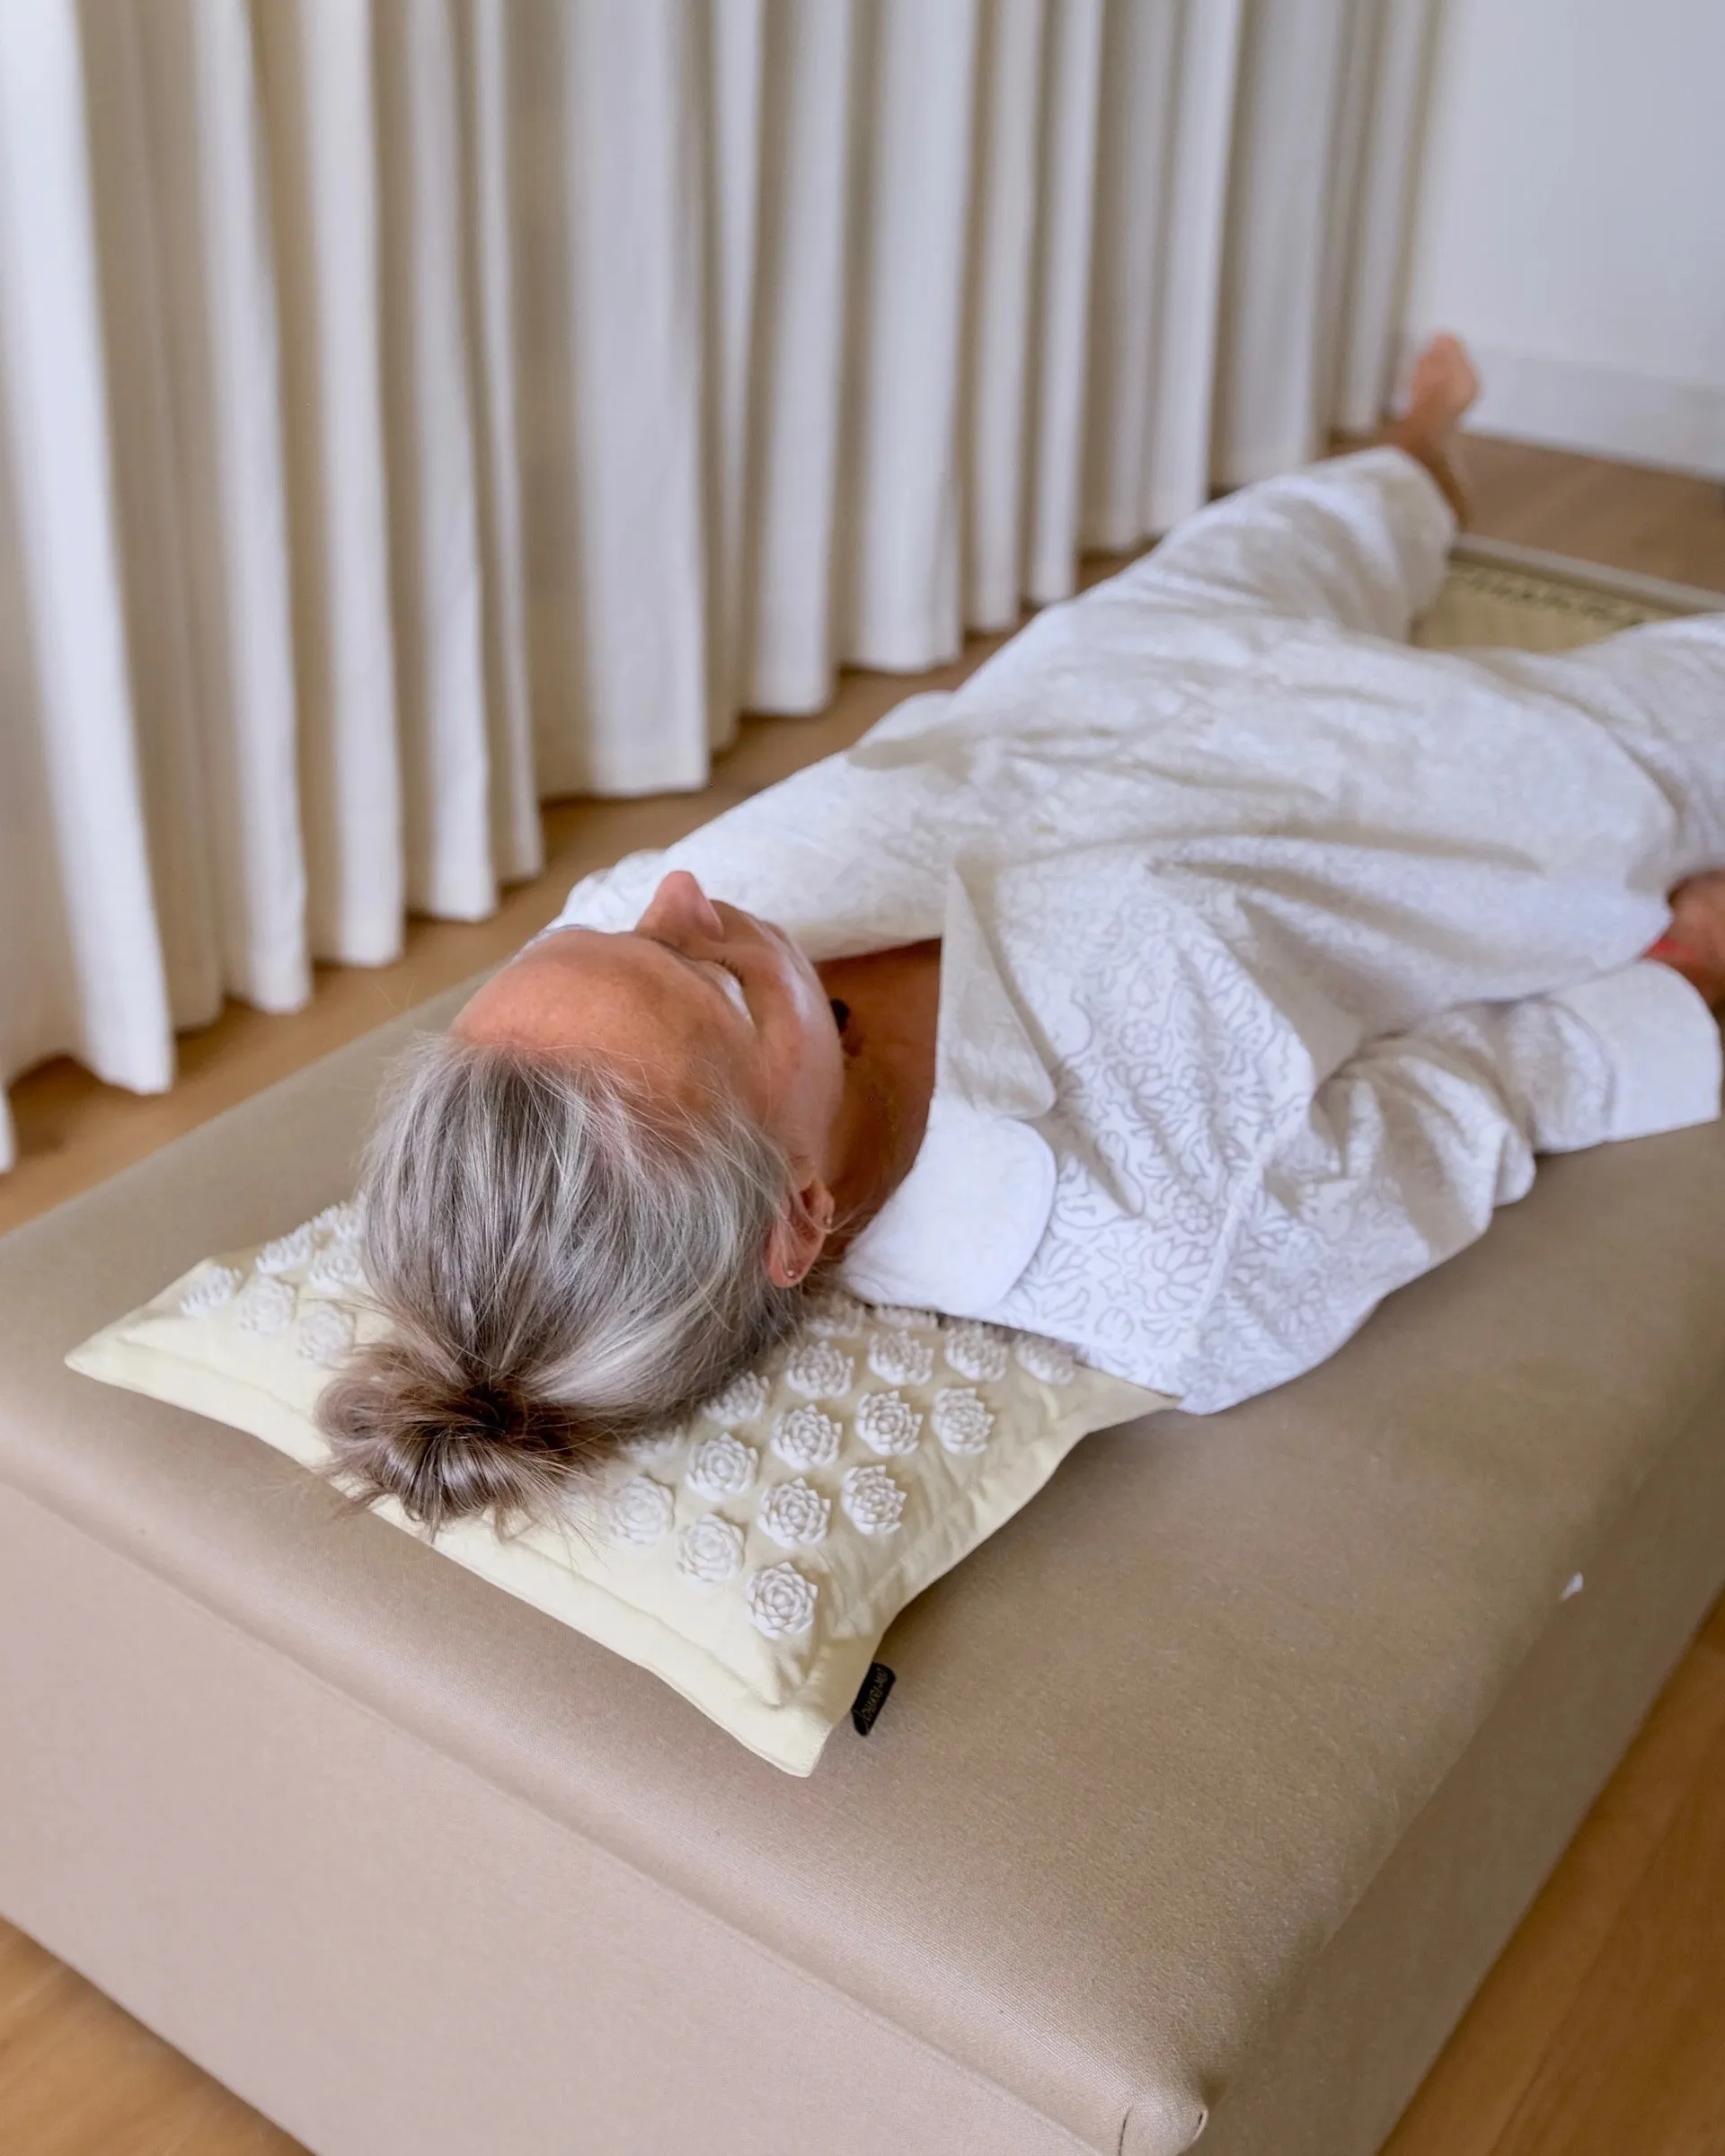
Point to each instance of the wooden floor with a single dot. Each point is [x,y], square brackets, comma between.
[1600,2032]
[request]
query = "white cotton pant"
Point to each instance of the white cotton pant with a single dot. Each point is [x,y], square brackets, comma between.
[1509,822]
[1404,831]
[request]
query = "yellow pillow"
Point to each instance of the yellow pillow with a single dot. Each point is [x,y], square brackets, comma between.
[752,1560]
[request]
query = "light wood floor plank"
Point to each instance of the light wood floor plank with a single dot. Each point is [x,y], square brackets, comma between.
[1660,524]
[1639,2061]
[78,2077]
[1520,2018]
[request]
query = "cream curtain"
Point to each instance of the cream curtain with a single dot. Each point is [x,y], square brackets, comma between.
[411,410]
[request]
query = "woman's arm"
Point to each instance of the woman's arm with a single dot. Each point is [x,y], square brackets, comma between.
[850,855]
[1417,1139]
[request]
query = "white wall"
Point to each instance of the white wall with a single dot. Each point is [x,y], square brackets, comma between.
[1570,220]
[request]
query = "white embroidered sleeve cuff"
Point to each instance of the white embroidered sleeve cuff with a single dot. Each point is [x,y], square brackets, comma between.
[1664,1045]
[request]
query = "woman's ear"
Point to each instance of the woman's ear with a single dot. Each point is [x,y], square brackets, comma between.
[798,1235]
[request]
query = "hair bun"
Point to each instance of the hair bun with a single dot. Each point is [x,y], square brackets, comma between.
[491,1410]
[409,1427]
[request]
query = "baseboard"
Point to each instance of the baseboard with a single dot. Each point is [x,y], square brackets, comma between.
[1600,410]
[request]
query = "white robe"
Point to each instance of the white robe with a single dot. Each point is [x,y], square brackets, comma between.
[1274,949]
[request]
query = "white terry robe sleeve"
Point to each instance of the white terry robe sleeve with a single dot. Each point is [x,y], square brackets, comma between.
[1415,1140]
[848,854]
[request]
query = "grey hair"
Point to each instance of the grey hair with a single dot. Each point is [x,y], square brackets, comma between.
[566,1262]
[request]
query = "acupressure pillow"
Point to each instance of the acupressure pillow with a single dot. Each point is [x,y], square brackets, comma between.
[753,1558]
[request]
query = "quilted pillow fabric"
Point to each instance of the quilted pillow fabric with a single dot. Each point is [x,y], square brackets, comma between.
[751,1559]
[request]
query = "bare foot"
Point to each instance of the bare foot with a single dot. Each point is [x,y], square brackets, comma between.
[1694,943]
[1445,383]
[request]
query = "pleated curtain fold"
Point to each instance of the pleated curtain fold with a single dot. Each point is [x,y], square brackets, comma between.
[411,410]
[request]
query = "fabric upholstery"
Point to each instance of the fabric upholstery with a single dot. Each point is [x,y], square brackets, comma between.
[1209,1785]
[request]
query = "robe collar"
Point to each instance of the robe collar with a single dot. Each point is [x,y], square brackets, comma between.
[958,1231]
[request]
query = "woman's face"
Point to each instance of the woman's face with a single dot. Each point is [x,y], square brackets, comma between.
[696,989]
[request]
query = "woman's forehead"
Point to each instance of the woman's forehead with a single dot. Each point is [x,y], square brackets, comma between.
[582,989]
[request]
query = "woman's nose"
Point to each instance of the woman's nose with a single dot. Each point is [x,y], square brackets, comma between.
[680,902]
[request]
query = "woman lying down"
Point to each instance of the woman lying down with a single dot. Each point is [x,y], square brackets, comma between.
[1207,965]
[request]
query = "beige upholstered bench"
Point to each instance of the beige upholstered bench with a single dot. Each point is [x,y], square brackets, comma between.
[1207,1791]
[1209,1786]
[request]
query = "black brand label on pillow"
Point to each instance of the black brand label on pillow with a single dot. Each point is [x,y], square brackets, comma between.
[871,1699]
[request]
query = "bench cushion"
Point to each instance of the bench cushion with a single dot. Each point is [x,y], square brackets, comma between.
[1207,1790]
